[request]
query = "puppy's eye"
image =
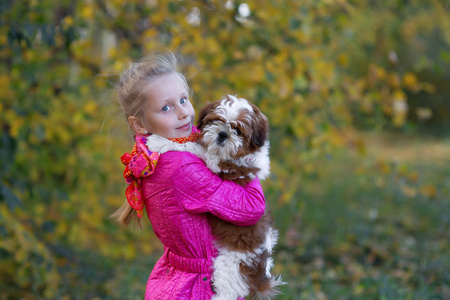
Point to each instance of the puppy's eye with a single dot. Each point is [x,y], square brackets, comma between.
[238,131]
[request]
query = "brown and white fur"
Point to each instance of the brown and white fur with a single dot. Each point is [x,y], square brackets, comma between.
[234,144]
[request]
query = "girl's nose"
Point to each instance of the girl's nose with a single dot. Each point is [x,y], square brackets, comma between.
[182,112]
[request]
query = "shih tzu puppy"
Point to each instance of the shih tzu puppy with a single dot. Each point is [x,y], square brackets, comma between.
[234,144]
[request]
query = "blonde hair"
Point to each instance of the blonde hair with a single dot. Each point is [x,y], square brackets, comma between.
[132,90]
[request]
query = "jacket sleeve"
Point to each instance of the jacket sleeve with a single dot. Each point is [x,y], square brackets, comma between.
[199,190]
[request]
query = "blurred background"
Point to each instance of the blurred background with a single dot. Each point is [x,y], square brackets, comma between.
[357,95]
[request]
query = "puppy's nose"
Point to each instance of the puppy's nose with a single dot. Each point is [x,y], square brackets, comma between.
[222,137]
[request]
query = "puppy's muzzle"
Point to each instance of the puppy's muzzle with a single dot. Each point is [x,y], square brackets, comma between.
[222,137]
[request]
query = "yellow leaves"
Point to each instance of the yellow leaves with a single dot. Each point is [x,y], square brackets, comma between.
[387,90]
[324,71]
[376,73]
[398,96]
[20,255]
[87,12]
[28,55]
[309,168]
[157,17]
[150,33]
[263,14]
[58,133]
[343,59]
[112,53]
[212,47]
[336,138]
[62,229]
[410,81]
[257,75]
[7,94]
[16,125]
[117,4]
[80,47]
[120,61]
[100,83]
[299,35]
[393,80]
[428,190]
[68,21]
[3,39]
[90,107]
[34,16]
[118,66]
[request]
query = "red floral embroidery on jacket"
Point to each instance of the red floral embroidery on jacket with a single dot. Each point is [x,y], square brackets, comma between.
[141,163]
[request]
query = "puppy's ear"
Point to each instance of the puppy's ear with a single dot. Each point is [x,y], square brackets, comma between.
[260,129]
[201,121]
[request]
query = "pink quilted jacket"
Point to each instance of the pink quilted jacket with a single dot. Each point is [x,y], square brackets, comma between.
[177,195]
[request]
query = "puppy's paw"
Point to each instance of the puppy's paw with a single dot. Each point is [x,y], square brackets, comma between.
[156,143]
[212,162]
[195,148]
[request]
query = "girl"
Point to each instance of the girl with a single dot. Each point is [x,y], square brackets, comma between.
[176,188]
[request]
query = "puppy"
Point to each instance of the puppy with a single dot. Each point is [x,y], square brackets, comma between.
[234,144]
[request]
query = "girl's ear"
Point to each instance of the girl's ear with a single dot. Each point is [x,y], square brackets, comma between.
[136,125]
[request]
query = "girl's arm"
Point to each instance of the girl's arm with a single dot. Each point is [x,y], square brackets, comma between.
[200,190]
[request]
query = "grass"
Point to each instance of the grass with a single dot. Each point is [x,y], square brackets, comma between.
[371,228]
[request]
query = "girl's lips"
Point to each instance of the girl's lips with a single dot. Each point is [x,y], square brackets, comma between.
[185,126]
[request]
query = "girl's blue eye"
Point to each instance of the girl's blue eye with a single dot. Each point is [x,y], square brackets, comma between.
[165,108]
[183,100]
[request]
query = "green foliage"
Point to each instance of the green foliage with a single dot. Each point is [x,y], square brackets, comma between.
[315,68]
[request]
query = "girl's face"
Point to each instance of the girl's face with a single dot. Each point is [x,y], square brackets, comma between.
[168,111]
